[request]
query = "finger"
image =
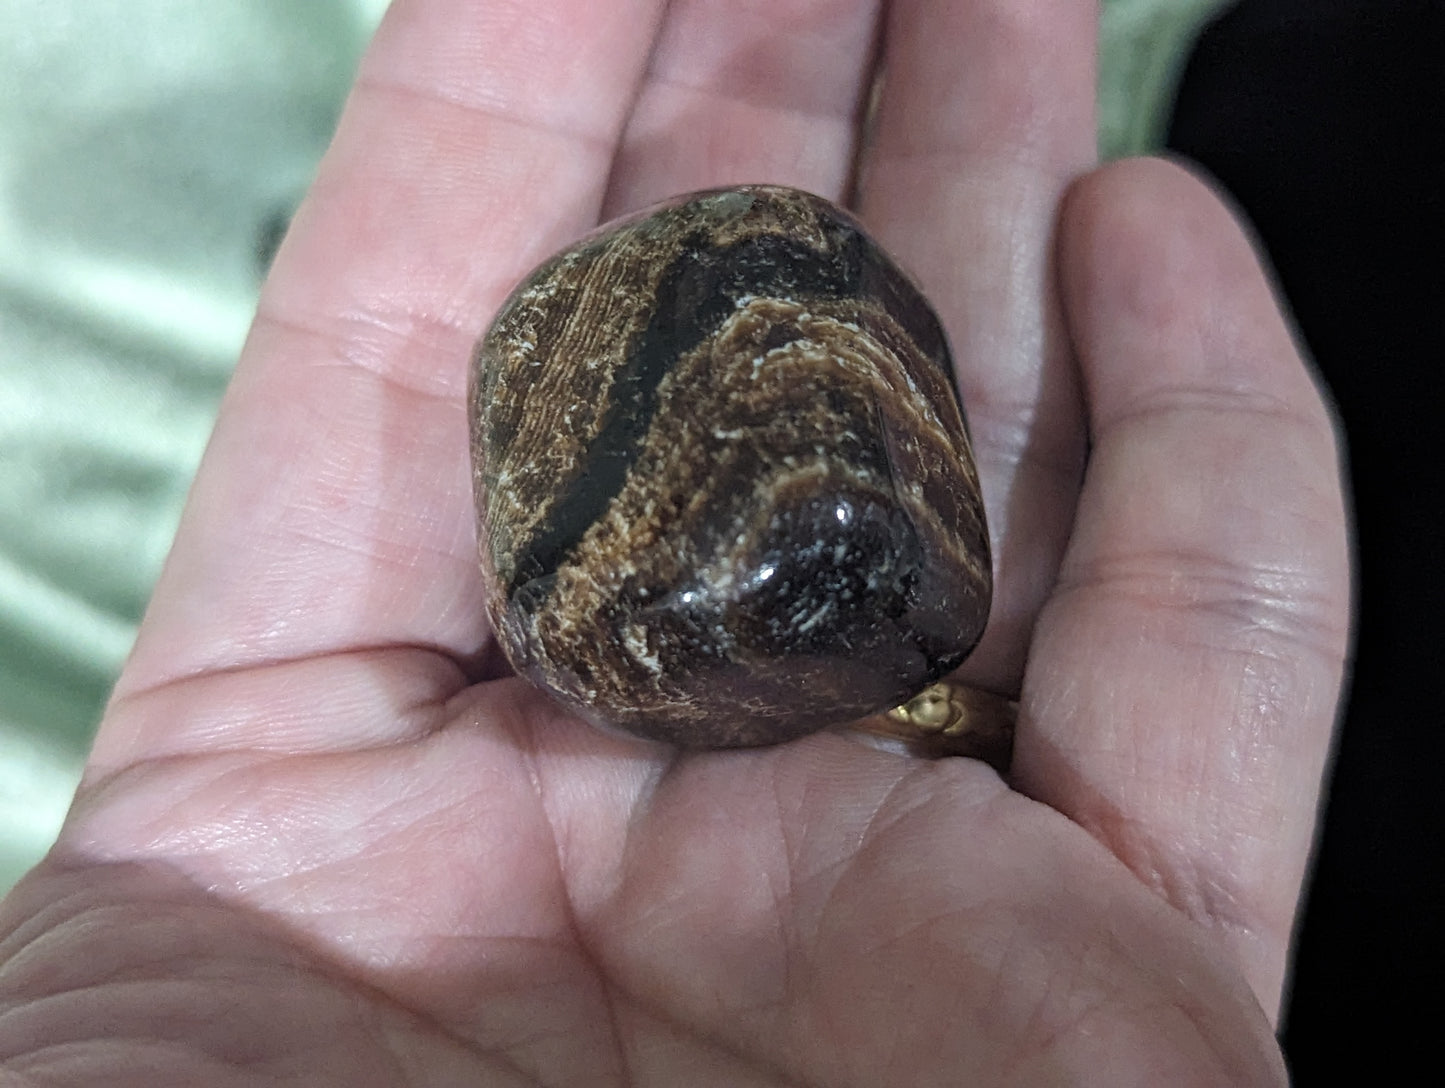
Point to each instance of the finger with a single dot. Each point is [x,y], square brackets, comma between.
[987,112]
[332,510]
[741,92]
[1183,682]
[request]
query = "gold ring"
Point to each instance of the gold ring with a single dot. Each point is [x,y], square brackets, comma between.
[950,719]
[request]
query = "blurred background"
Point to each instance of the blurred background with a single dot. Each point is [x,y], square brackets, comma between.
[152,151]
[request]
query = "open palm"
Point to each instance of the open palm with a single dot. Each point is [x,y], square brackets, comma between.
[324,838]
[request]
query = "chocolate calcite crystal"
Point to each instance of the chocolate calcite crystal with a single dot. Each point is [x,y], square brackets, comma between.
[724,487]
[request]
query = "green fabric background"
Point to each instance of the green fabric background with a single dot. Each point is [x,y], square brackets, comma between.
[151,152]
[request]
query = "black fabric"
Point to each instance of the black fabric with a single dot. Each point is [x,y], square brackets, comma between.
[1324,119]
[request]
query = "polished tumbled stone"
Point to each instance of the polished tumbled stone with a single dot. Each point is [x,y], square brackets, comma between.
[725,491]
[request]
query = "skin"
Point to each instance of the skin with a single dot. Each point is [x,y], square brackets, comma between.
[324,839]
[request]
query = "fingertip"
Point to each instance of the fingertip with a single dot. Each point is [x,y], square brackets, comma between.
[1135,205]
[1158,268]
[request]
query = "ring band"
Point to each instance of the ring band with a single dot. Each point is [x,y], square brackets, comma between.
[950,719]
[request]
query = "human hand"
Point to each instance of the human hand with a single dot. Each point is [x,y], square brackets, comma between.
[323,836]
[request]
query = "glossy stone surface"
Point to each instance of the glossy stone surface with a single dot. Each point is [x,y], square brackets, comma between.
[725,492]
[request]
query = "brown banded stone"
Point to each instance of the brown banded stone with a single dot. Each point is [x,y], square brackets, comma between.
[724,487]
